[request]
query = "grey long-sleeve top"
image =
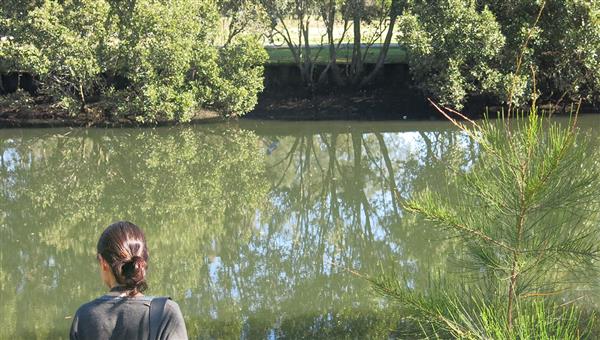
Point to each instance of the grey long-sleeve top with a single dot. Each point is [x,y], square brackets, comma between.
[112,317]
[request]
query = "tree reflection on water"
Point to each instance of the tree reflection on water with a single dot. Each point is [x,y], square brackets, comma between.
[255,232]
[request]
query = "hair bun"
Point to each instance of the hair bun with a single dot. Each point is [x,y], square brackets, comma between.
[138,262]
[134,271]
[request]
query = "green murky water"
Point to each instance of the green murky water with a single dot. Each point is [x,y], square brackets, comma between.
[257,229]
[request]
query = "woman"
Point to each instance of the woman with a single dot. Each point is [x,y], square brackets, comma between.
[124,312]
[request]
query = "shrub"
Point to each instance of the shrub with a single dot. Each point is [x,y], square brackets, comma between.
[240,77]
[453,49]
[153,60]
[564,48]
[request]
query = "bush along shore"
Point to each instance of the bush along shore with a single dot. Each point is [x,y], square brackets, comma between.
[391,96]
[90,62]
[145,62]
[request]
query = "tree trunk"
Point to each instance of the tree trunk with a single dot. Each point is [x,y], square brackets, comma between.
[335,70]
[332,67]
[304,47]
[357,63]
[384,51]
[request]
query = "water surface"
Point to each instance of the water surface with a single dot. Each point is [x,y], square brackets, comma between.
[257,229]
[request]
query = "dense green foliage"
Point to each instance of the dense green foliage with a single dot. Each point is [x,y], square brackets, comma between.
[152,60]
[564,49]
[526,215]
[457,48]
[454,50]
[155,61]
[460,48]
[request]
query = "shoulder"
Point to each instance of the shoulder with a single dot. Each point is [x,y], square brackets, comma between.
[86,319]
[88,307]
[172,307]
[173,322]
[172,311]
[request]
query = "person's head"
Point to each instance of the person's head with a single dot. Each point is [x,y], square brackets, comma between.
[123,257]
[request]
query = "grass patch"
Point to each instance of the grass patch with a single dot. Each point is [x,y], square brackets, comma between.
[283,55]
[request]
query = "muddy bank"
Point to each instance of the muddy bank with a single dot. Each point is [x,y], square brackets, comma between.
[42,114]
[378,104]
[391,96]
[372,104]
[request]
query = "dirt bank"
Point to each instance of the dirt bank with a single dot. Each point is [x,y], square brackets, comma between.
[390,97]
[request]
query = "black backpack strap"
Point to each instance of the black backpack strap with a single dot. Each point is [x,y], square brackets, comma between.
[157,310]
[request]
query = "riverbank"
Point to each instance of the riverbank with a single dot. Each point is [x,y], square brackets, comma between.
[378,105]
[373,104]
[391,96]
[367,105]
[39,113]
[43,118]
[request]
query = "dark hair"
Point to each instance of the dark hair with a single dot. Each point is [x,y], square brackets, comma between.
[123,246]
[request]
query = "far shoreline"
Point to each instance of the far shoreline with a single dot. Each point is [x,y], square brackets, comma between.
[391,97]
[323,108]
